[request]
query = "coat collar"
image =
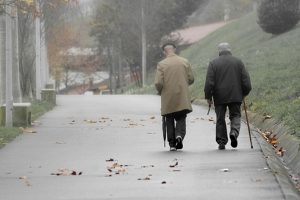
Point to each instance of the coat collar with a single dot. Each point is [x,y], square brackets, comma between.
[171,55]
[225,53]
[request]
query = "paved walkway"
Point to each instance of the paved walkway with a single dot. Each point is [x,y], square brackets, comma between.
[84,132]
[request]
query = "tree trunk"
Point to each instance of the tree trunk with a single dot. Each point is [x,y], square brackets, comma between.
[38,80]
[9,64]
[144,44]
[15,64]
[2,59]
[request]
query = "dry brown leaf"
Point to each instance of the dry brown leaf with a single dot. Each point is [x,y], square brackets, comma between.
[66,172]
[27,130]
[26,181]
[280,152]
[175,164]
[90,121]
[148,166]
[176,170]
[60,143]
[147,178]
[268,117]
[152,117]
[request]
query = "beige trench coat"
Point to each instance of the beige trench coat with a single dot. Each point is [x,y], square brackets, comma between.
[173,76]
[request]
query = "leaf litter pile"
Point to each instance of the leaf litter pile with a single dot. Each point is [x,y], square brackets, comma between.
[272,139]
[114,168]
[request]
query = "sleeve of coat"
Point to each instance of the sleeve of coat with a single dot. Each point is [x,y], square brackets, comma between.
[210,82]
[159,79]
[190,74]
[246,82]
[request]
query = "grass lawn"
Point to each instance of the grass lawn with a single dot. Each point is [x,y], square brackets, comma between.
[38,108]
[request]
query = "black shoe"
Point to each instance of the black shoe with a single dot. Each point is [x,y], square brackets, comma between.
[221,147]
[179,144]
[234,141]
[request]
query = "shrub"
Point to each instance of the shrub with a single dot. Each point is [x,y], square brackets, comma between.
[278,16]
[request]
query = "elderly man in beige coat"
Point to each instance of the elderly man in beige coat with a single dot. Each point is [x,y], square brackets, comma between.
[173,77]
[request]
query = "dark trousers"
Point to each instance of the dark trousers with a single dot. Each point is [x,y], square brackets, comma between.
[235,121]
[176,126]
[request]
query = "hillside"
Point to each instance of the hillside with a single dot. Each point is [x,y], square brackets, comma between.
[272,61]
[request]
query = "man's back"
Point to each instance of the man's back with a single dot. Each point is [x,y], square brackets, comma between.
[173,77]
[228,79]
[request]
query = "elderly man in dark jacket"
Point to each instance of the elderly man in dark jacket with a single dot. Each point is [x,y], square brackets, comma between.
[227,83]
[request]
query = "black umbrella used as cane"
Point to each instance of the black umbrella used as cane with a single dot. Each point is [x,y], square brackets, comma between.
[164,128]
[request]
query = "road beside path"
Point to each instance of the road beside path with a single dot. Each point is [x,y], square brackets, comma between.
[116,142]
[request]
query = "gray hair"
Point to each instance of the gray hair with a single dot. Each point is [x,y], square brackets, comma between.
[224,46]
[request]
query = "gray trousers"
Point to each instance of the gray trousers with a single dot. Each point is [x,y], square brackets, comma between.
[235,121]
[176,126]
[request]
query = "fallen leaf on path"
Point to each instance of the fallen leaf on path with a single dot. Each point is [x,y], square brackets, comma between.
[26,181]
[176,170]
[90,121]
[175,164]
[148,166]
[27,130]
[151,133]
[147,178]
[280,152]
[224,170]
[152,117]
[116,168]
[60,143]
[66,172]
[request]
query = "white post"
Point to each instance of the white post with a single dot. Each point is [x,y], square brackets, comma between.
[8,56]
[144,45]
[38,54]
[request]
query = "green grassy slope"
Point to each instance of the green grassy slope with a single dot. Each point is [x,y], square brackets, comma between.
[272,61]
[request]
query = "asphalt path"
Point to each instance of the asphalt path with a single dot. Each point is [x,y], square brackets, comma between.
[115,143]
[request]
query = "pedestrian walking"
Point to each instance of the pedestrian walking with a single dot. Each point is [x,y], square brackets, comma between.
[227,84]
[173,77]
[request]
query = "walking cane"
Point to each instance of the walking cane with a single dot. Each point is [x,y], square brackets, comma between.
[245,108]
